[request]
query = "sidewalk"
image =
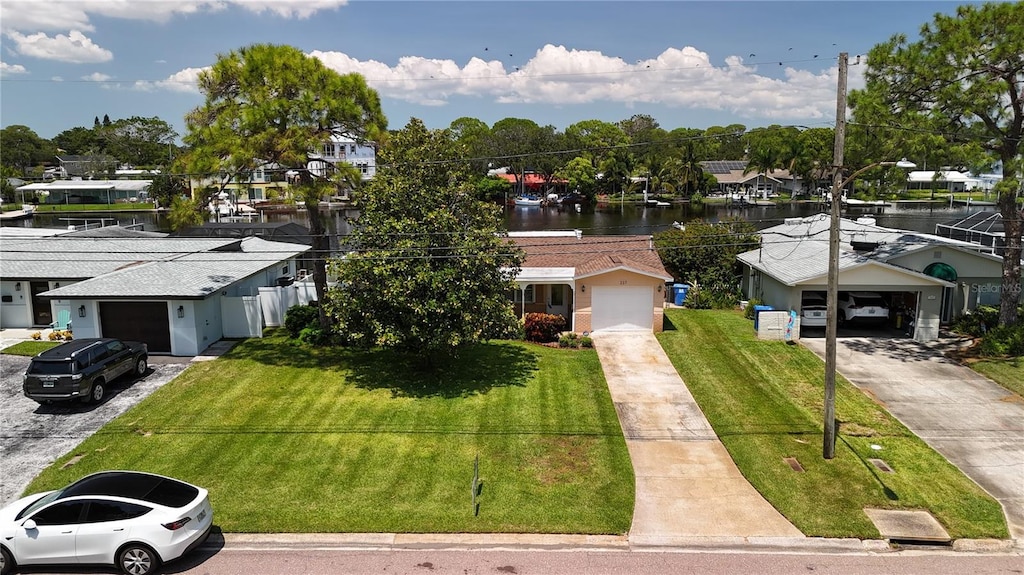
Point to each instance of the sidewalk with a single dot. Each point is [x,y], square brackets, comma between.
[687,485]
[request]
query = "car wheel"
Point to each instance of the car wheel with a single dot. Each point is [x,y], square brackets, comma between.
[6,561]
[841,318]
[137,559]
[96,392]
[141,366]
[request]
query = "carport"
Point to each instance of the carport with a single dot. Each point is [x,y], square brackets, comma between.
[926,279]
[780,283]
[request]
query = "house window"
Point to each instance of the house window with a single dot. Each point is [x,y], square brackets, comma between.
[524,296]
[328,150]
[352,149]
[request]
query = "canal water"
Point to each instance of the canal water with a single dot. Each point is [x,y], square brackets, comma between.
[610,219]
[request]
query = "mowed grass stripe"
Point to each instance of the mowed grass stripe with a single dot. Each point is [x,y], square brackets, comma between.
[765,401]
[331,440]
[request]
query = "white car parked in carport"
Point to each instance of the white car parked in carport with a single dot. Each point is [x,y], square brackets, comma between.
[862,306]
[134,521]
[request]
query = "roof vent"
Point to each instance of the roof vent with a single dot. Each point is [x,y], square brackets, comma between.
[866,221]
[860,246]
[579,234]
[793,221]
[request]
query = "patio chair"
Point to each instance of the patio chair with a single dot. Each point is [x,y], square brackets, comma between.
[63,322]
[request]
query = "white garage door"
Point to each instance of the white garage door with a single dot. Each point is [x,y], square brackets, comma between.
[622,308]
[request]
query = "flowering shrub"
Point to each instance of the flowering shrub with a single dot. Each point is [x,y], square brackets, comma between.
[37,336]
[543,327]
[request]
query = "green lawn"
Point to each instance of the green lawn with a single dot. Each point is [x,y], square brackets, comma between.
[293,439]
[1007,372]
[764,400]
[30,348]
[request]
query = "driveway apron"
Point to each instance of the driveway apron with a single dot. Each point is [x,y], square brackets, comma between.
[973,422]
[686,483]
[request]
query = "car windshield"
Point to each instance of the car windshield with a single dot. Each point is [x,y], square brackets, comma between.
[50,367]
[32,507]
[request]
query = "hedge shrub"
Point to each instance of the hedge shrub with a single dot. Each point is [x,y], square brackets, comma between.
[543,327]
[300,317]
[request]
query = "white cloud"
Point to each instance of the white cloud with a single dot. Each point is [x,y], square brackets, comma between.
[181,81]
[61,15]
[6,68]
[97,77]
[75,47]
[556,75]
[57,79]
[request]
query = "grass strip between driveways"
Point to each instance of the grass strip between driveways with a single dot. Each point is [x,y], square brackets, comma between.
[295,439]
[765,401]
[1007,372]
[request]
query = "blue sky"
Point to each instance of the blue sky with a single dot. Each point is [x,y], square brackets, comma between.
[687,64]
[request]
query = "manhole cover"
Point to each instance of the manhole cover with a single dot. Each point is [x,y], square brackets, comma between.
[907,526]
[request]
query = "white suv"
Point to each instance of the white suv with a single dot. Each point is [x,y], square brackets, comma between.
[813,309]
[862,306]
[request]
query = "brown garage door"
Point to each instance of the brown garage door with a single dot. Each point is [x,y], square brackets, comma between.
[137,321]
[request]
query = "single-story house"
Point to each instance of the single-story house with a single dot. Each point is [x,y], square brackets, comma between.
[732,179]
[931,278]
[179,295]
[90,191]
[599,283]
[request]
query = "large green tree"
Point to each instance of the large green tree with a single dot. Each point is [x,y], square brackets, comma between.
[429,271]
[77,141]
[138,141]
[704,254]
[273,104]
[964,79]
[22,148]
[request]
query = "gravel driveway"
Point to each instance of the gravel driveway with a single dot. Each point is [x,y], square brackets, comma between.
[32,436]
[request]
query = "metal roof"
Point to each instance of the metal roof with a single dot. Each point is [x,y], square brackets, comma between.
[798,249]
[185,275]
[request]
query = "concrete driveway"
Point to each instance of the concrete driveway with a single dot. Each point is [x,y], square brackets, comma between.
[976,424]
[32,436]
[687,485]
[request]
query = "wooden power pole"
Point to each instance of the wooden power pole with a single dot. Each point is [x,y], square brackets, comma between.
[832,314]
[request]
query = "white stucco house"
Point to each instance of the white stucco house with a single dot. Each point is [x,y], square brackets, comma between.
[179,295]
[935,278]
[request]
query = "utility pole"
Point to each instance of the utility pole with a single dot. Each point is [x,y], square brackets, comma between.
[832,312]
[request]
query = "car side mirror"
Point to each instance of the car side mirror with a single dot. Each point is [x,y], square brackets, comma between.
[29,525]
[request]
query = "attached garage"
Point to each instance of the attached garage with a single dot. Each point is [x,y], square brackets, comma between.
[611,283]
[622,308]
[137,321]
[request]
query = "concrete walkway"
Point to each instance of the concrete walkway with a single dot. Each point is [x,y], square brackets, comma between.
[974,423]
[687,485]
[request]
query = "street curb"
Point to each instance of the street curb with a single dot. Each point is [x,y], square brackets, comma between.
[590,543]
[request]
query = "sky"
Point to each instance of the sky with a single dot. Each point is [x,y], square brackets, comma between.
[685,63]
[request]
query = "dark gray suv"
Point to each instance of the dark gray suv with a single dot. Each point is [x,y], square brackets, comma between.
[81,369]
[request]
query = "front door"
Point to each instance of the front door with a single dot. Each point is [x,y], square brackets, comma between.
[42,314]
[557,303]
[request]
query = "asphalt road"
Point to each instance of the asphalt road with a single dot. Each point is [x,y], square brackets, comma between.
[483,562]
[32,436]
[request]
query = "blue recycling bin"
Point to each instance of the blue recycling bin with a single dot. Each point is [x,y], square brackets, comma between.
[679,292]
[757,312]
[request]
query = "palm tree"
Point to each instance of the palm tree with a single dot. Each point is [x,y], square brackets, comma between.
[763,159]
